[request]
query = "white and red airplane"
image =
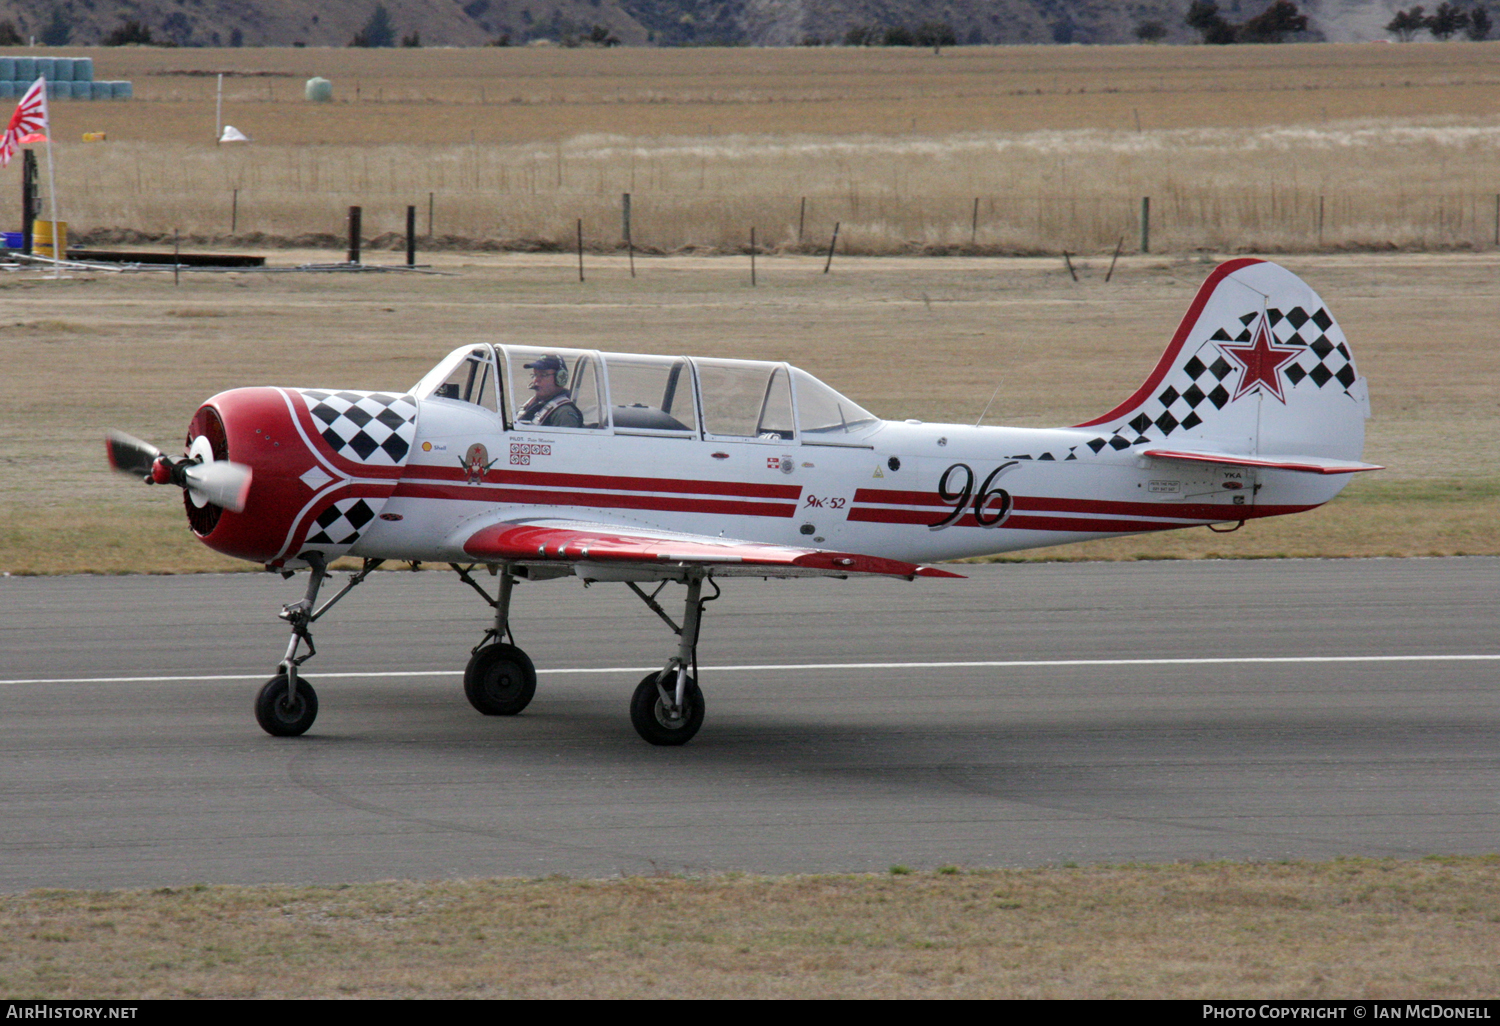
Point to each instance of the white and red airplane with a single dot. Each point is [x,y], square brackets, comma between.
[543,463]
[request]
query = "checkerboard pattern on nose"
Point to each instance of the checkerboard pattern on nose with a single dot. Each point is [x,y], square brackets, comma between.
[1205,382]
[367,427]
[342,523]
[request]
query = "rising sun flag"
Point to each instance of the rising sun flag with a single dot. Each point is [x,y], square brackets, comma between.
[30,118]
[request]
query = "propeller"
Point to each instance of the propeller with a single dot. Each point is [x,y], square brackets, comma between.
[207,480]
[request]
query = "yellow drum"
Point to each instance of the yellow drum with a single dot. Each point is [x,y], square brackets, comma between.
[41,239]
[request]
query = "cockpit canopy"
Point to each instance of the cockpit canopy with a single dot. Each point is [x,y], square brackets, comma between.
[632,393]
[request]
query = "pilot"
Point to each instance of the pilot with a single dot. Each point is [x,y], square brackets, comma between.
[553,405]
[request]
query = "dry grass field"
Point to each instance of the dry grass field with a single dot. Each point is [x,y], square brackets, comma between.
[97,350]
[1354,929]
[1235,145]
[1272,148]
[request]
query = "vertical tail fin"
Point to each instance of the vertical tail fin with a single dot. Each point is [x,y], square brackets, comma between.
[1257,366]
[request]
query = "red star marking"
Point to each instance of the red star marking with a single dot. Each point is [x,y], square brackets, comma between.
[1261,361]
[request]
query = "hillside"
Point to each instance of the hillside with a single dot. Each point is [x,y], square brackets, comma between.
[648,22]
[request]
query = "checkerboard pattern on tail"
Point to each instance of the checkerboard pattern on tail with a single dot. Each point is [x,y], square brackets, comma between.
[365,427]
[1259,364]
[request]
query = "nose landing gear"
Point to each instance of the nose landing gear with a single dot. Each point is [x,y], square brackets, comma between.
[287,705]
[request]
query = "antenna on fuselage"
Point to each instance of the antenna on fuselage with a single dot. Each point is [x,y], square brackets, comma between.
[988,404]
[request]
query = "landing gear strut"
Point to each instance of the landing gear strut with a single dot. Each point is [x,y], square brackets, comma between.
[667,707]
[500,679]
[287,704]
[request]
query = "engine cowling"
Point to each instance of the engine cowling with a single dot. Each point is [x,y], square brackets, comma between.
[323,463]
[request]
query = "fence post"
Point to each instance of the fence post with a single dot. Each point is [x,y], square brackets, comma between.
[629,239]
[354,218]
[752,256]
[234,213]
[580,249]
[28,200]
[1145,224]
[411,236]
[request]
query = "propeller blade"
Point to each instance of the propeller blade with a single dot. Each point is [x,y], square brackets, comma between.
[221,483]
[129,455]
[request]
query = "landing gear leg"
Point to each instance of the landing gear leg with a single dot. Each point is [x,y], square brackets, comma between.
[667,707]
[500,679]
[287,704]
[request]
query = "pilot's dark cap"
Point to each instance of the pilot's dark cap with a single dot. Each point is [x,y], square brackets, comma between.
[546,363]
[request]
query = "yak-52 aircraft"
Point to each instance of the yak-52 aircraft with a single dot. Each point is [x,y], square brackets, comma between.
[543,463]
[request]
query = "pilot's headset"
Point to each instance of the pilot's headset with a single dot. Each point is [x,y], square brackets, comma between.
[554,363]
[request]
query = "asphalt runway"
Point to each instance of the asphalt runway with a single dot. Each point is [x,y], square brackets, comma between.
[1127,712]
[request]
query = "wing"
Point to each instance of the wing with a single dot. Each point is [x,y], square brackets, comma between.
[602,548]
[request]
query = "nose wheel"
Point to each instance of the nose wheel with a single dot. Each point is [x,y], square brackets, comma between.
[283,714]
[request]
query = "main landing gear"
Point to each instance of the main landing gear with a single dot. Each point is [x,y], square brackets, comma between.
[500,679]
[666,709]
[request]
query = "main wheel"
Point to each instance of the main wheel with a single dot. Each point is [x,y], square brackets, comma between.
[279,715]
[655,722]
[500,680]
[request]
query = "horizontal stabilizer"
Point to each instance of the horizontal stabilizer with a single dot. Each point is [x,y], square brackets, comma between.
[1301,464]
[578,542]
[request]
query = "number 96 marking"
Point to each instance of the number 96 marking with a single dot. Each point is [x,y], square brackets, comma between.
[991,506]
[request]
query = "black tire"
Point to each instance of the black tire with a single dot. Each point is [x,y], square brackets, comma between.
[649,713]
[281,718]
[500,680]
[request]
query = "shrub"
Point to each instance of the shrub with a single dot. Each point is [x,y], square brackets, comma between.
[128,32]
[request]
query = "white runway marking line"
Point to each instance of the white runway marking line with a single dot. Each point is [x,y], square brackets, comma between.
[955,665]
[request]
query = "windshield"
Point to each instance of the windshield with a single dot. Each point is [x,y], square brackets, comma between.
[466,374]
[824,414]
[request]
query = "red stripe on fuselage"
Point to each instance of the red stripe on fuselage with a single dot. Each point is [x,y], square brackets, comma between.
[597,500]
[930,503]
[541,478]
[1088,524]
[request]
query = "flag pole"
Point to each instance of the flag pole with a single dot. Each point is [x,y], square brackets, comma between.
[57,252]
